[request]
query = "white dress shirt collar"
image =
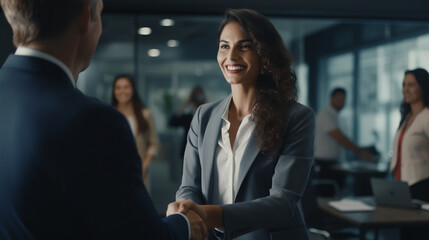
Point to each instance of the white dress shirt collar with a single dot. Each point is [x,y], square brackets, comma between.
[24,51]
[228,160]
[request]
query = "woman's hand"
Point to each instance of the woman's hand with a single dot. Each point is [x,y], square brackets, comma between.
[211,214]
[184,205]
[145,165]
[195,213]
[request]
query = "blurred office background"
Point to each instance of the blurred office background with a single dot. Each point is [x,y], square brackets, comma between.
[171,46]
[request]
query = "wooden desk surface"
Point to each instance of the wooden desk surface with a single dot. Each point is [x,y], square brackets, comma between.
[380,217]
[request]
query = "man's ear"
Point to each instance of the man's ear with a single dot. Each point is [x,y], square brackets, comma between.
[84,18]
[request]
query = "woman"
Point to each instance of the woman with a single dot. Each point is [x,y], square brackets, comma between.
[410,160]
[248,156]
[182,119]
[126,100]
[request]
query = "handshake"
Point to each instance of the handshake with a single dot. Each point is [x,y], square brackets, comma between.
[198,216]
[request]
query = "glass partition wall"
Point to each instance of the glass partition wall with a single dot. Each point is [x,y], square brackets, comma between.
[372,74]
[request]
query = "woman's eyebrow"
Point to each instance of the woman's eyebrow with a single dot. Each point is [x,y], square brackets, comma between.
[245,40]
[241,41]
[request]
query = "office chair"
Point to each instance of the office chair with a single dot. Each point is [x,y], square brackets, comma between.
[316,219]
[317,234]
[325,187]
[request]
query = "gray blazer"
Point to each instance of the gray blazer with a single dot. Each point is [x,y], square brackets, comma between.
[266,205]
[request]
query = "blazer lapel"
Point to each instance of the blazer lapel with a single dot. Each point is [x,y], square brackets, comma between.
[249,156]
[210,144]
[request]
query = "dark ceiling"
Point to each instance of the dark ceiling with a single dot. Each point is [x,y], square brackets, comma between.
[372,9]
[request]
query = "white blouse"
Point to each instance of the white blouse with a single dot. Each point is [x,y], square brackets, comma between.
[228,159]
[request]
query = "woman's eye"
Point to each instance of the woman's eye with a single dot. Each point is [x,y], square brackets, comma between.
[246,46]
[224,46]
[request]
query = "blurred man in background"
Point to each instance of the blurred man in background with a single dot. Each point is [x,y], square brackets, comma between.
[329,139]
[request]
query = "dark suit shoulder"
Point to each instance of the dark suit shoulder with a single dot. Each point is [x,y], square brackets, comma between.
[93,110]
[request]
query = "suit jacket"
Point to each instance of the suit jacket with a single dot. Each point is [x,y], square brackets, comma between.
[414,151]
[269,188]
[69,167]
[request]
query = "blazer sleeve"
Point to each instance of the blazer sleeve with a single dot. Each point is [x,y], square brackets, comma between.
[288,182]
[191,177]
[103,182]
[426,126]
[152,143]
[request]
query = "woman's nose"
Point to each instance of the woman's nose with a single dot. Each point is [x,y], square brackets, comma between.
[233,54]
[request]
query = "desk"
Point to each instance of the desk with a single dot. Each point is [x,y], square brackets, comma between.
[382,217]
[361,167]
[362,172]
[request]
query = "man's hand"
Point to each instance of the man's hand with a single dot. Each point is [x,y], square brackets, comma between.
[212,215]
[173,208]
[198,226]
[184,205]
[345,142]
[196,214]
[365,154]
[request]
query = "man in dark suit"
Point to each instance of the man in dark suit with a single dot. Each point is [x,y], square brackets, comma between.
[69,168]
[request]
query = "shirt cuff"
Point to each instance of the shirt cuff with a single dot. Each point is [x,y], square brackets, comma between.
[187,221]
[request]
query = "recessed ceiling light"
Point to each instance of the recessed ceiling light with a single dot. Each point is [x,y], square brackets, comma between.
[172,43]
[145,31]
[153,52]
[167,22]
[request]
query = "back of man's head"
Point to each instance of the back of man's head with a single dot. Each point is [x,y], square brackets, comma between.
[41,19]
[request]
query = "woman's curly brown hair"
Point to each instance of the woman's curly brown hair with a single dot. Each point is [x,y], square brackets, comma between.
[276,83]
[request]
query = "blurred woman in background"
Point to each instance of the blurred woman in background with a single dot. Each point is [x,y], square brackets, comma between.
[127,101]
[183,119]
[410,160]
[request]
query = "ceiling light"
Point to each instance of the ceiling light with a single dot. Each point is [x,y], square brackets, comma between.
[167,22]
[145,31]
[153,52]
[172,43]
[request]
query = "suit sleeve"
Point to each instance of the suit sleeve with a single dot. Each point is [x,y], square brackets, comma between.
[152,142]
[104,184]
[426,127]
[288,182]
[191,177]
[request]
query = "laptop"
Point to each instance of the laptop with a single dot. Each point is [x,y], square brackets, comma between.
[392,193]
